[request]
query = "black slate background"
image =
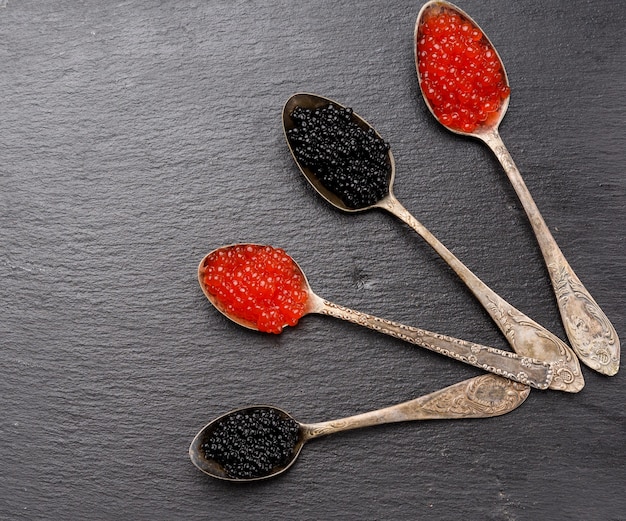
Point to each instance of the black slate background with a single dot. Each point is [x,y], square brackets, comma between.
[137,136]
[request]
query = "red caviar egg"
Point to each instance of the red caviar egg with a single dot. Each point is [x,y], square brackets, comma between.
[460,73]
[257,284]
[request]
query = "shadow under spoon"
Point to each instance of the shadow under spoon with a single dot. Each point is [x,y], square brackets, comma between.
[526,337]
[591,334]
[260,442]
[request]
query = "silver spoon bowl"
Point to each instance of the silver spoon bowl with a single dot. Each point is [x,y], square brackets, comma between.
[591,334]
[525,336]
[479,397]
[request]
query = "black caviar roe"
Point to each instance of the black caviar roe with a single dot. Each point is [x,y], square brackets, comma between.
[251,443]
[351,162]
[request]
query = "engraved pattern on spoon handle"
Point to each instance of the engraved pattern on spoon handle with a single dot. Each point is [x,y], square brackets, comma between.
[483,396]
[525,336]
[590,332]
[529,371]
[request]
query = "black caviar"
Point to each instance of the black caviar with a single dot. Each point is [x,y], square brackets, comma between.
[350,161]
[252,442]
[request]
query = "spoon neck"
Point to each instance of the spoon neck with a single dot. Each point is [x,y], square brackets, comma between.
[367,419]
[544,237]
[395,208]
[494,142]
[477,286]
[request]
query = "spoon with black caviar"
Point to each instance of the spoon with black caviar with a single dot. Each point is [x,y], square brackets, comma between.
[465,86]
[352,167]
[260,442]
[251,283]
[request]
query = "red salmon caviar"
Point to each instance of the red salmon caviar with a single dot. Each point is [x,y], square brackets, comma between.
[461,75]
[258,284]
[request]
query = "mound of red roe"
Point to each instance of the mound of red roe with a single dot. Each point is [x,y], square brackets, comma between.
[258,284]
[461,75]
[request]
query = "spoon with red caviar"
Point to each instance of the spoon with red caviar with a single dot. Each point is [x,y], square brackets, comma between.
[262,288]
[262,441]
[352,167]
[466,88]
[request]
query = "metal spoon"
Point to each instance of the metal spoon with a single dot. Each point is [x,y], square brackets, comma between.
[526,370]
[479,397]
[590,332]
[525,336]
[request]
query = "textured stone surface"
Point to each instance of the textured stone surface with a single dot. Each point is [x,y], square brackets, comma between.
[137,136]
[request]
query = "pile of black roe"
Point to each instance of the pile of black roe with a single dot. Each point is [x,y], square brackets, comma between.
[252,442]
[349,161]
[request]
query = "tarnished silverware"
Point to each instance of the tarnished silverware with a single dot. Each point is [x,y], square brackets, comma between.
[526,370]
[591,334]
[480,397]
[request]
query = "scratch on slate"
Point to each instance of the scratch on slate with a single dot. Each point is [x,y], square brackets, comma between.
[22,267]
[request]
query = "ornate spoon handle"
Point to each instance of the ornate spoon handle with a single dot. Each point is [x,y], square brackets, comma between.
[590,332]
[528,371]
[479,397]
[525,336]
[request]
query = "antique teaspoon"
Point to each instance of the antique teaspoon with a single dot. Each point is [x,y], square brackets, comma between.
[260,442]
[525,336]
[237,278]
[465,86]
